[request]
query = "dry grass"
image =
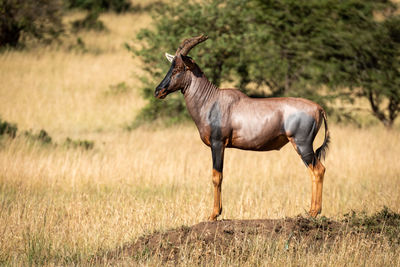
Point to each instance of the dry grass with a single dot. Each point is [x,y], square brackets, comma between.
[63,90]
[61,206]
[73,203]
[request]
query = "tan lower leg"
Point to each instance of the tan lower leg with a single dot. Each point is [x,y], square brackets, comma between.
[317,176]
[313,210]
[217,182]
[319,171]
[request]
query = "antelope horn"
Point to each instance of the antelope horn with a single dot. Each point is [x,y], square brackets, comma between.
[189,43]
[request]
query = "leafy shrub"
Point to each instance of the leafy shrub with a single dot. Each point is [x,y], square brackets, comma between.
[79,46]
[94,8]
[311,49]
[85,144]
[23,19]
[100,5]
[7,128]
[384,222]
[140,7]
[42,137]
[89,22]
[117,89]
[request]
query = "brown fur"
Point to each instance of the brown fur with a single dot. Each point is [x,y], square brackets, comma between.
[229,118]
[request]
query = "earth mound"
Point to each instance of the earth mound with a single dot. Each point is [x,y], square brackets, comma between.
[207,239]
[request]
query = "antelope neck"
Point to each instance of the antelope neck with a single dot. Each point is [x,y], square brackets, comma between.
[199,92]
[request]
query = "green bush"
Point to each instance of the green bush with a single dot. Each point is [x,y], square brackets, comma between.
[42,137]
[89,22]
[94,8]
[386,222]
[118,89]
[311,49]
[84,144]
[7,128]
[25,19]
[100,5]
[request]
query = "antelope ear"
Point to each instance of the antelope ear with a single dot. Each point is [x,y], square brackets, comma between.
[169,57]
[188,61]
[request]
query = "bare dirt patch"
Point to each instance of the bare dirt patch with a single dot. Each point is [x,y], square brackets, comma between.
[209,239]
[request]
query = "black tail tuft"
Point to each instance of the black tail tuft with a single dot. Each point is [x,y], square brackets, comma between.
[321,151]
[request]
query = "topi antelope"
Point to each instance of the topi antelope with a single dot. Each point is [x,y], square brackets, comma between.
[229,118]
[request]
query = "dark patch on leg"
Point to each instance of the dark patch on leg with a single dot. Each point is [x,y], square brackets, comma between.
[308,158]
[216,140]
[302,129]
[217,150]
[301,125]
[214,119]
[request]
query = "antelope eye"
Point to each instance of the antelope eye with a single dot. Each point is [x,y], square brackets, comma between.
[176,71]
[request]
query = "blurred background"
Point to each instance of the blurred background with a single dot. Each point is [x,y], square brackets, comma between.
[343,55]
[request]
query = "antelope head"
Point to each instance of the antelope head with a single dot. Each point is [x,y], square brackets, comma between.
[180,65]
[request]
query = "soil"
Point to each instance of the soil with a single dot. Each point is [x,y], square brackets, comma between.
[220,235]
[214,238]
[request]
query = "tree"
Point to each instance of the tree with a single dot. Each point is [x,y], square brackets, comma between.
[218,59]
[94,8]
[379,77]
[366,58]
[100,5]
[22,19]
[274,48]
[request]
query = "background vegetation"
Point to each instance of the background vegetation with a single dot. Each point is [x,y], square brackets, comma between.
[21,19]
[96,186]
[322,50]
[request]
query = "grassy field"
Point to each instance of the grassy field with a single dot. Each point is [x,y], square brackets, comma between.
[61,206]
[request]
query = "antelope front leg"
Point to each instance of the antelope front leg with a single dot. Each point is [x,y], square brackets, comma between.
[217,149]
[217,182]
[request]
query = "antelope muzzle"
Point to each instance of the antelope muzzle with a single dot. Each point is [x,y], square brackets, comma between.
[160,93]
[162,89]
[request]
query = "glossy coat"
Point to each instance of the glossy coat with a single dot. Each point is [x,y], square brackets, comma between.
[229,118]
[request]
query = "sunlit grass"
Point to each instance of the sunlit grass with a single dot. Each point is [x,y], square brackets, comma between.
[80,202]
[63,90]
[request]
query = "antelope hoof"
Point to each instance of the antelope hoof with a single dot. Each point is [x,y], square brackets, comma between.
[314,213]
[213,217]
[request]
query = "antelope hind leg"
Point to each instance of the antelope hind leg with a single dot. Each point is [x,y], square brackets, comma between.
[317,171]
[317,178]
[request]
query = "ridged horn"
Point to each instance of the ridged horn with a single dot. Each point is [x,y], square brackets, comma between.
[189,43]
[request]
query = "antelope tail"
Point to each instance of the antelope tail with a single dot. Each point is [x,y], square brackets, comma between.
[321,151]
